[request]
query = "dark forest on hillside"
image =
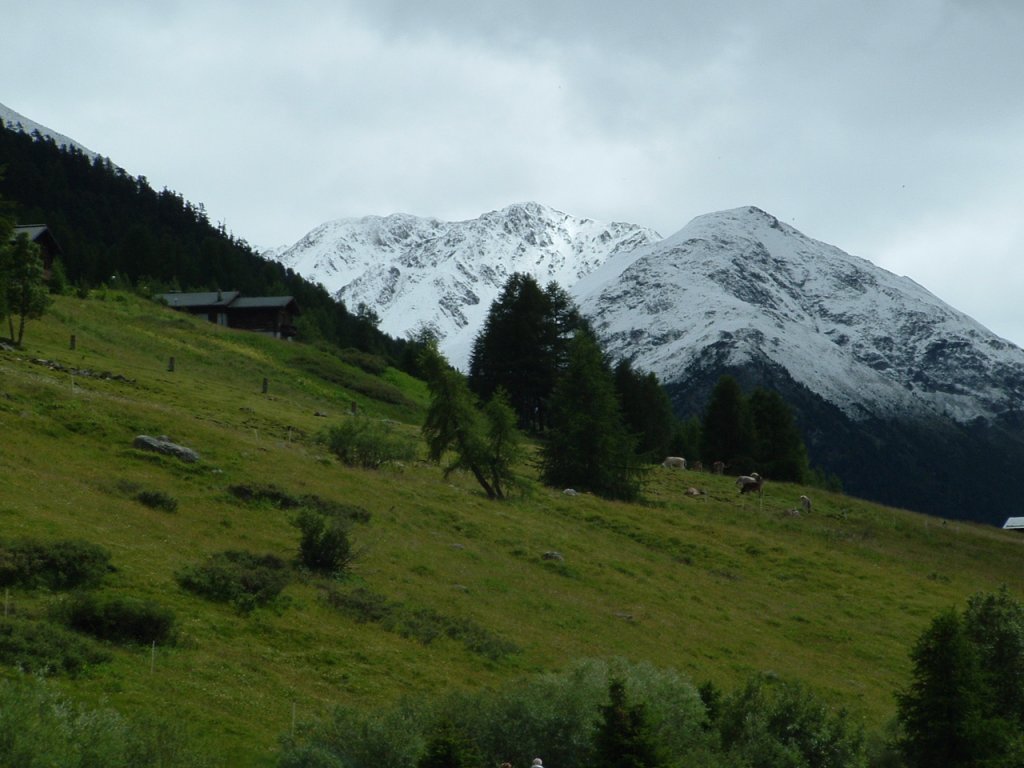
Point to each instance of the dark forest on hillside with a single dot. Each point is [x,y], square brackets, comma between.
[113,227]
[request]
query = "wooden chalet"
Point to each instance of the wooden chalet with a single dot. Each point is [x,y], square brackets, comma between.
[40,234]
[1014,524]
[272,315]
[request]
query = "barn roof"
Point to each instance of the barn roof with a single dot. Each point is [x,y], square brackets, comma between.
[265,302]
[1014,523]
[37,233]
[201,299]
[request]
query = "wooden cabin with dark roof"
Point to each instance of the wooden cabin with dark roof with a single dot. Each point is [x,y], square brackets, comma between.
[41,235]
[272,315]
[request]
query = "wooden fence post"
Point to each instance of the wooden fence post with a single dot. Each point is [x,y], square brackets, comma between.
[74,341]
[266,385]
[170,365]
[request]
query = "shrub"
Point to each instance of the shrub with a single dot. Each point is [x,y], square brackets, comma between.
[421,624]
[271,494]
[62,564]
[41,647]
[243,579]
[324,546]
[360,441]
[41,727]
[119,619]
[157,500]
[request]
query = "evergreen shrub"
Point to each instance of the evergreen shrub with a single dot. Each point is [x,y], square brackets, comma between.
[243,579]
[119,619]
[58,565]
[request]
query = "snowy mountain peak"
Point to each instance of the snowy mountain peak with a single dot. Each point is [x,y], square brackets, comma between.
[422,273]
[758,291]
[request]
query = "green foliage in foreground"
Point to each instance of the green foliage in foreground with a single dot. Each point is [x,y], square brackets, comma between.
[40,728]
[460,598]
[618,714]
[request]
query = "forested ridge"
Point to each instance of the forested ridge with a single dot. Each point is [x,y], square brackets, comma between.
[115,228]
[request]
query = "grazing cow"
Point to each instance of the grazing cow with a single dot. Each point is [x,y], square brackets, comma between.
[698,466]
[718,468]
[750,483]
[674,461]
[806,502]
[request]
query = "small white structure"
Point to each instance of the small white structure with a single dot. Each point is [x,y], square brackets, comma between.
[1014,524]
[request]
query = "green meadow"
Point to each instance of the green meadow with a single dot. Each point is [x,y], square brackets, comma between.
[446,589]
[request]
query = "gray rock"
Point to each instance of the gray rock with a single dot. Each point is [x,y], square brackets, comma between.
[163,445]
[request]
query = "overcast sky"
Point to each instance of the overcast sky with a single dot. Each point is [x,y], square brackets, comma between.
[891,129]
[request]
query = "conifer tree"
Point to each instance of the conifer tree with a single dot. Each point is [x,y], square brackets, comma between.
[778,448]
[622,739]
[522,346]
[588,446]
[646,411]
[941,712]
[26,295]
[727,433]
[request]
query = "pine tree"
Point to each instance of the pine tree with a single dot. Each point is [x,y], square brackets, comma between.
[941,712]
[588,446]
[779,450]
[646,411]
[727,433]
[522,346]
[622,739]
[24,285]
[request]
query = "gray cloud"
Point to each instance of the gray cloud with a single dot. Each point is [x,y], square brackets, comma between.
[892,130]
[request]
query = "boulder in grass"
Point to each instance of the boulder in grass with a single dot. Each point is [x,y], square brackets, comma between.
[164,445]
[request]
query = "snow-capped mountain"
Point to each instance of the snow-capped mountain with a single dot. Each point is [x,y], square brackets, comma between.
[13,121]
[905,399]
[757,290]
[422,273]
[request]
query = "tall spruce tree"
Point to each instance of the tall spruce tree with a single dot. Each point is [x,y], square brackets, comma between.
[646,411]
[522,346]
[778,448]
[622,739]
[588,446]
[941,713]
[727,432]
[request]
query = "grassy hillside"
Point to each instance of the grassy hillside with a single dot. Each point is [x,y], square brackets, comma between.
[716,586]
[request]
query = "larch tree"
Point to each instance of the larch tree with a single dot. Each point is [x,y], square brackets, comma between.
[483,442]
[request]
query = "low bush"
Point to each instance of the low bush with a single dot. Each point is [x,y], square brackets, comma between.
[157,500]
[421,624]
[119,619]
[41,647]
[243,579]
[271,494]
[58,565]
[41,727]
[360,441]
